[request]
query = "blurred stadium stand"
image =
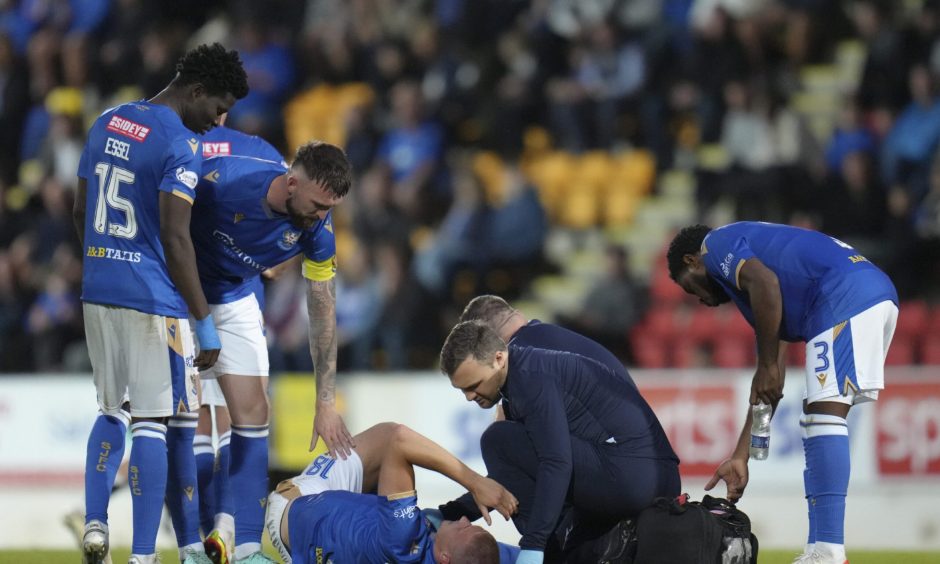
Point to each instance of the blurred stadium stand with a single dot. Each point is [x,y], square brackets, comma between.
[505,147]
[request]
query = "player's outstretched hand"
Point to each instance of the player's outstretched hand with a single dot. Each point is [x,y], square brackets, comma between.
[488,493]
[767,386]
[327,423]
[206,358]
[734,473]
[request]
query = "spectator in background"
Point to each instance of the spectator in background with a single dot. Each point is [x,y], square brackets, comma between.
[270,69]
[358,312]
[14,102]
[52,322]
[411,152]
[587,106]
[853,203]
[907,151]
[456,244]
[612,306]
[850,136]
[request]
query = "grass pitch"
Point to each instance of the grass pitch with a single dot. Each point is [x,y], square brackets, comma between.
[766,557]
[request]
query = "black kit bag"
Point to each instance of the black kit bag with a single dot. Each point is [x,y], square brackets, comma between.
[679,531]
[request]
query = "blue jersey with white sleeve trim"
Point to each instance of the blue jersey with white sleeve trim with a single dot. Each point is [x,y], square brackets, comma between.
[237,235]
[340,526]
[134,151]
[823,281]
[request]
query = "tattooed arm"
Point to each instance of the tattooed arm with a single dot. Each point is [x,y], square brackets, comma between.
[327,423]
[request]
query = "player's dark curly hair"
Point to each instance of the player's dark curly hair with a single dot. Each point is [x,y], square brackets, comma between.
[327,164]
[480,548]
[466,339]
[687,242]
[220,71]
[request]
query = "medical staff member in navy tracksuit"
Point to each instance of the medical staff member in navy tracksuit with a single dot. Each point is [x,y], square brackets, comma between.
[576,433]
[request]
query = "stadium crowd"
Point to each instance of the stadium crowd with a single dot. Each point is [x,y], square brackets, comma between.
[413,88]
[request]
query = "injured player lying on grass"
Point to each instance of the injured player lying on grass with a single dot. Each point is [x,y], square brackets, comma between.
[329,513]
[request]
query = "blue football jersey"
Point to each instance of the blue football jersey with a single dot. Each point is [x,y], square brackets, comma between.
[237,235]
[223,142]
[134,152]
[823,281]
[340,526]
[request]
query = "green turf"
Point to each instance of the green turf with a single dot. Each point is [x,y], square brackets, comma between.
[766,557]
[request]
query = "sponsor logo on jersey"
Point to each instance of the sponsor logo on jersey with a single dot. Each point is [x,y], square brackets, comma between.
[857,259]
[238,217]
[210,149]
[187,177]
[118,149]
[212,176]
[128,128]
[405,512]
[822,379]
[194,145]
[235,252]
[726,265]
[288,239]
[113,254]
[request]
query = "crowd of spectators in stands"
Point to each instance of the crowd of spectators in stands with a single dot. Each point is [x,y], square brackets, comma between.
[419,233]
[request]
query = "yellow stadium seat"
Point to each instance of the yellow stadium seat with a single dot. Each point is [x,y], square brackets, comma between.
[637,170]
[619,209]
[489,167]
[595,168]
[580,208]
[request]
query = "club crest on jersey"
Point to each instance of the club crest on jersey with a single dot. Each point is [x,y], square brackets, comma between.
[288,239]
[128,128]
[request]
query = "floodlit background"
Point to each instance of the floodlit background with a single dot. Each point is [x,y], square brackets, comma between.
[542,150]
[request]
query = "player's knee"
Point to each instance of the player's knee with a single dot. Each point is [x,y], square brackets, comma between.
[400,434]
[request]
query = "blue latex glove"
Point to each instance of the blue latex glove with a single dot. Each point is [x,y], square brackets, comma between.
[206,334]
[530,557]
[434,516]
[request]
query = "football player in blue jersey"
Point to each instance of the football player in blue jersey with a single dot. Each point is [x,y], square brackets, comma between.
[255,214]
[139,286]
[795,285]
[212,466]
[577,434]
[331,513]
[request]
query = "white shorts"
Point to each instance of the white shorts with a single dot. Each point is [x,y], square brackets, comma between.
[211,392]
[241,330]
[323,474]
[144,358]
[846,364]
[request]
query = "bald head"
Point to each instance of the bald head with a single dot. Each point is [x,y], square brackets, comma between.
[495,312]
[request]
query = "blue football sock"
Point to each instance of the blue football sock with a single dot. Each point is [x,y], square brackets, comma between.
[249,477]
[147,481]
[205,467]
[182,496]
[222,478]
[103,458]
[827,458]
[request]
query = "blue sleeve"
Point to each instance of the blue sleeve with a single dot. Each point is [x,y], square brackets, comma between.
[724,252]
[320,252]
[403,533]
[83,163]
[508,553]
[543,413]
[182,167]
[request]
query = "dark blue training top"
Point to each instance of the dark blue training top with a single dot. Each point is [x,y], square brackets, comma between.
[556,338]
[557,394]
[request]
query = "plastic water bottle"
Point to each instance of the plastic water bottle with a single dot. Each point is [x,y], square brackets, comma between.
[760,431]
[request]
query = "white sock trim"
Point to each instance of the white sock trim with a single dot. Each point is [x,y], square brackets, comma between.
[818,425]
